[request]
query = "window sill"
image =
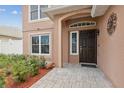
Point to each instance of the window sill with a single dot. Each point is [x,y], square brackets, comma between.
[40,54]
[39,20]
[75,54]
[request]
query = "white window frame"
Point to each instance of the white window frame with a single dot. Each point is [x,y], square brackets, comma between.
[42,54]
[31,45]
[71,42]
[84,25]
[39,19]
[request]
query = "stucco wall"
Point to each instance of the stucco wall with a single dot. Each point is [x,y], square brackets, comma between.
[36,27]
[111,48]
[27,42]
[36,24]
[60,50]
[65,41]
[110,56]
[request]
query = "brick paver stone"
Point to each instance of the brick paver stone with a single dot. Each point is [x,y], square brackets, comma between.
[73,76]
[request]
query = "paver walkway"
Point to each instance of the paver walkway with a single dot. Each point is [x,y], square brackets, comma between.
[73,76]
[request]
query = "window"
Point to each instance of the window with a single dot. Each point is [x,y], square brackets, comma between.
[82,24]
[41,44]
[45,44]
[36,12]
[35,44]
[74,43]
[42,7]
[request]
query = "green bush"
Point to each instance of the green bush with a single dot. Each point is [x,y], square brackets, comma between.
[20,71]
[42,62]
[33,65]
[7,71]
[20,66]
[4,61]
[2,82]
[16,58]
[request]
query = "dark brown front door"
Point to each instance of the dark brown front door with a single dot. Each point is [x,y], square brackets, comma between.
[88,46]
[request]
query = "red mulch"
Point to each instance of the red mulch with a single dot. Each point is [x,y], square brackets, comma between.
[31,80]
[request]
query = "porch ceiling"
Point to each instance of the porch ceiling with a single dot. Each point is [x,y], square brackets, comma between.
[99,10]
[95,10]
[81,15]
[51,12]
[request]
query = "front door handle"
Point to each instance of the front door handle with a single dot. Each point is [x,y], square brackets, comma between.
[81,48]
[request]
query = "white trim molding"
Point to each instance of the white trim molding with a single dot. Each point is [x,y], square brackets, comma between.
[50,44]
[39,19]
[82,24]
[77,38]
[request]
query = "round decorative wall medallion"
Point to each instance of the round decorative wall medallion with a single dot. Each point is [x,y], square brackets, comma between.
[112,23]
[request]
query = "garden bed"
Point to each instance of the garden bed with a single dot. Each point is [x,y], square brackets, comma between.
[31,80]
[21,71]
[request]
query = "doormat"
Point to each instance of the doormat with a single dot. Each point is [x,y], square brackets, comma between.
[89,65]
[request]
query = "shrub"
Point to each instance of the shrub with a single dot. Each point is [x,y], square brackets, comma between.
[20,66]
[20,71]
[42,62]
[33,65]
[2,82]
[16,58]
[4,61]
[7,71]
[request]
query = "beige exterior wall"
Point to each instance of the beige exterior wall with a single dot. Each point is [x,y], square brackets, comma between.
[37,27]
[27,42]
[60,35]
[110,56]
[111,48]
[65,41]
[29,25]
[61,53]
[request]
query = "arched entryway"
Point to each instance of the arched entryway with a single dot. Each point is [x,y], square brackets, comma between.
[79,44]
[62,35]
